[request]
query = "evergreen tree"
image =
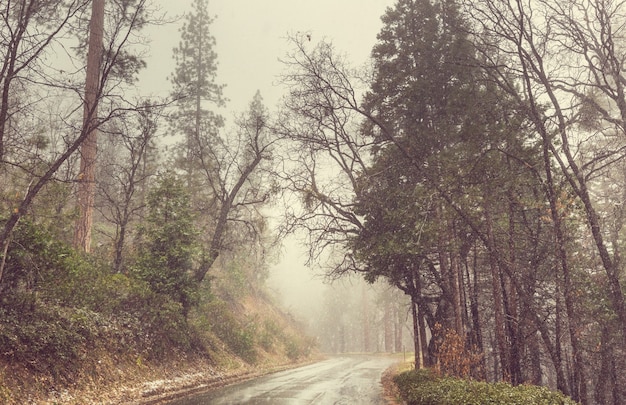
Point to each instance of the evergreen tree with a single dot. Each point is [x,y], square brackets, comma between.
[438,181]
[194,83]
[168,248]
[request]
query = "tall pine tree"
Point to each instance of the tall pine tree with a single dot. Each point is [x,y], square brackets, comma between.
[194,83]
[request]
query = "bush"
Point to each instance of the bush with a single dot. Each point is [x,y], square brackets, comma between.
[423,387]
[168,248]
[55,304]
[239,338]
[34,261]
[49,340]
[269,335]
[298,347]
[456,359]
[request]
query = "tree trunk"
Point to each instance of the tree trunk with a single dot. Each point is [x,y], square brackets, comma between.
[388,324]
[366,320]
[427,359]
[579,386]
[398,330]
[416,334]
[498,307]
[88,149]
[512,319]
[476,336]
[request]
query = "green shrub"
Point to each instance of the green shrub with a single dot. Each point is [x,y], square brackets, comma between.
[55,303]
[269,335]
[422,387]
[49,340]
[168,246]
[239,338]
[298,347]
[33,259]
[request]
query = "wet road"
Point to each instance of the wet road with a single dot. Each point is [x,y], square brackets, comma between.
[341,380]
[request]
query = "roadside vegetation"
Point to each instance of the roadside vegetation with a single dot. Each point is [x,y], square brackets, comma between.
[67,323]
[425,387]
[122,259]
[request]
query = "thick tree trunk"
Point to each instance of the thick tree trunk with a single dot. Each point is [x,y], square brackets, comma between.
[427,359]
[88,149]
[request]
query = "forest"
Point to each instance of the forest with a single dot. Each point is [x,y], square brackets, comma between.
[475,166]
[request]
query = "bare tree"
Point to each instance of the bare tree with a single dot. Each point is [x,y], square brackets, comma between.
[563,63]
[327,152]
[128,162]
[232,172]
[23,44]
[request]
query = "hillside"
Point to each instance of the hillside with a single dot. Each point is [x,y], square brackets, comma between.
[84,335]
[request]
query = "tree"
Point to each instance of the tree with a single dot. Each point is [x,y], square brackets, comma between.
[451,154]
[234,174]
[194,84]
[88,148]
[118,66]
[112,61]
[128,162]
[168,247]
[20,25]
[572,107]
[320,120]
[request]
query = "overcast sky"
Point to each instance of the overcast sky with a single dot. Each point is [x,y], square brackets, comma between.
[251,38]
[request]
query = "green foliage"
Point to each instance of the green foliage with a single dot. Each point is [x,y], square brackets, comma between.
[194,76]
[48,340]
[240,338]
[35,262]
[57,305]
[169,247]
[268,335]
[298,347]
[423,387]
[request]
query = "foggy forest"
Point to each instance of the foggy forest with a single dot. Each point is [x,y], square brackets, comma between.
[462,194]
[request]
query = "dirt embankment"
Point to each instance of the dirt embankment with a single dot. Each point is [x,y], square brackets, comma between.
[153,384]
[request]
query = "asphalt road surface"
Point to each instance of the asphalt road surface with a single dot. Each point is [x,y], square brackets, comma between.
[351,380]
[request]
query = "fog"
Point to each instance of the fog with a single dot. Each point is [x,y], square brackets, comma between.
[251,39]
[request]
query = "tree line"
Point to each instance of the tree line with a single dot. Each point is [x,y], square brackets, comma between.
[477,165]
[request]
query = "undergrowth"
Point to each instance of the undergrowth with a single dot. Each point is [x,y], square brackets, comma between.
[424,387]
[65,317]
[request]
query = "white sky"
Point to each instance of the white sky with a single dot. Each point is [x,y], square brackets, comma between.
[251,38]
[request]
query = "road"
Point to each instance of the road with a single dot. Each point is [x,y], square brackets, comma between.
[339,381]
